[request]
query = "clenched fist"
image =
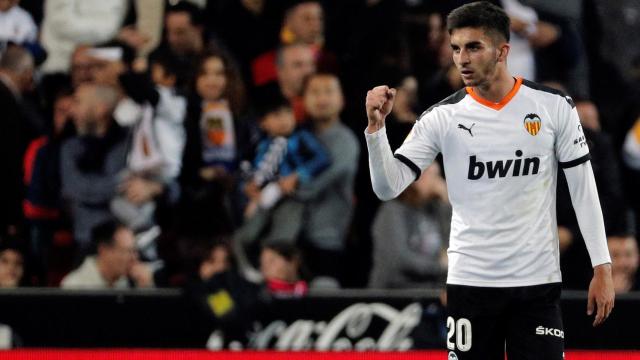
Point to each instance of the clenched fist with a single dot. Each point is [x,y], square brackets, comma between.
[379,104]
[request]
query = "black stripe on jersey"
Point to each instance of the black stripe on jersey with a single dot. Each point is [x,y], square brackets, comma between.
[576,162]
[550,90]
[405,160]
[454,98]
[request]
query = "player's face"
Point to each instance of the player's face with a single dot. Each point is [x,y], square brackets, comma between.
[476,55]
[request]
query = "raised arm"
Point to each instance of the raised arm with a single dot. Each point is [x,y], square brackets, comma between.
[389,176]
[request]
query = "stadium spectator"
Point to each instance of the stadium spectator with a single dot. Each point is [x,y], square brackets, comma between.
[260,25]
[625,259]
[417,221]
[69,23]
[91,160]
[155,113]
[329,198]
[115,264]
[217,260]
[608,179]
[218,133]
[184,40]
[16,25]
[286,157]
[11,262]
[631,147]
[303,23]
[280,266]
[16,131]
[294,63]
[49,228]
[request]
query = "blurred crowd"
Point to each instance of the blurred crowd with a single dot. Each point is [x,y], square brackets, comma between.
[216,144]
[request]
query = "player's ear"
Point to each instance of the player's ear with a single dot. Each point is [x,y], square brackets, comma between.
[503,52]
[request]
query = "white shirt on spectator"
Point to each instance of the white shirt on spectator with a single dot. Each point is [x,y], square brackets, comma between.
[69,23]
[87,276]
[17,25]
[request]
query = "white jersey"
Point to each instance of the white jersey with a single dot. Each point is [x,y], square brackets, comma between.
[501,163]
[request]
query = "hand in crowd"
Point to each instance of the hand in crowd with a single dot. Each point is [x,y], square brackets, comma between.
[210,173]
[142,275]
[138,190]
[288,184]
[132,37]
[252,190]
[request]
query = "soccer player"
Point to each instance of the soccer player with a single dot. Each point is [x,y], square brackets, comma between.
[502,140]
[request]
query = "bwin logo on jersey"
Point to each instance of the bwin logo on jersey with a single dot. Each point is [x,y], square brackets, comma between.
[532,124]
[503,168]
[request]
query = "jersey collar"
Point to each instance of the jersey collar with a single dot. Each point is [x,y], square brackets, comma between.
[494,105]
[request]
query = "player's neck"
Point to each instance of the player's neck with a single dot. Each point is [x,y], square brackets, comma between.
[497,88]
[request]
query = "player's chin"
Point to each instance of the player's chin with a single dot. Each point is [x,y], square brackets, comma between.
[469,82]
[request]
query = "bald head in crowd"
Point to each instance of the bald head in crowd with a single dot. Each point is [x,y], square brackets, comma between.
[92,109]
[17,64]
[294,63]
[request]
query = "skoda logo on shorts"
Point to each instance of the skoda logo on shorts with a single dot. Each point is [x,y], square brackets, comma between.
[452,356]
[532,124]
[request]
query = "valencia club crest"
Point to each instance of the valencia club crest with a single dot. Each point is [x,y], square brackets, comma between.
[532,124]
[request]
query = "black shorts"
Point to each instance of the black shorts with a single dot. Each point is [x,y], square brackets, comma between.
[483,322]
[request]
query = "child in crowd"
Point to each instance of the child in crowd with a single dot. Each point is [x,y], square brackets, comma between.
[11,263]
[156,113]
[285,157]
[280,264]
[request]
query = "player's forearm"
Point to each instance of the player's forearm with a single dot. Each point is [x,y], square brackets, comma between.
[584,197]
[389,176]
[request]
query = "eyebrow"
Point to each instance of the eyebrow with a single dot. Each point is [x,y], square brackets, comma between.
[469,44]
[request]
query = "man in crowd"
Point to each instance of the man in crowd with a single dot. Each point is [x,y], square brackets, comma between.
[114,264]
[91,161]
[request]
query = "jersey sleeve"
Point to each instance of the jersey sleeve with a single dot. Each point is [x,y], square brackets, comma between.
[422,144]
[571,144]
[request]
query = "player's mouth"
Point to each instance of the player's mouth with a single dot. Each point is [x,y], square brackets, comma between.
[466,73]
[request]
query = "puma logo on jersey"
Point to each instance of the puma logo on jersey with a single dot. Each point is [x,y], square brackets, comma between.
[503,168]
[460,126]
[541,330]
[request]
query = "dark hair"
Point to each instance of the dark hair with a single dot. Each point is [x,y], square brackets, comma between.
[314,75]
[268,99]
[283,48]
[11,242]
[285,249]
[234,90]
[103,234]
[480,14]
[195,14]
[168,63]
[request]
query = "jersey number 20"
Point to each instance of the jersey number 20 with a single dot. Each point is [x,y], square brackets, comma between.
[462,331]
